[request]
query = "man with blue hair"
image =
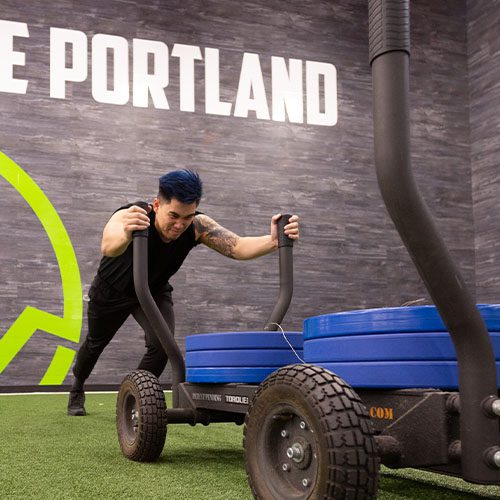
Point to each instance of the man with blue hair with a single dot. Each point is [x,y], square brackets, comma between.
[175,227]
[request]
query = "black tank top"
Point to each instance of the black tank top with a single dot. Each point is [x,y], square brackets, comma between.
[164,260]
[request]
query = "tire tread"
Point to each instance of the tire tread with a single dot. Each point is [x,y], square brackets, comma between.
[150,439]
[345,425]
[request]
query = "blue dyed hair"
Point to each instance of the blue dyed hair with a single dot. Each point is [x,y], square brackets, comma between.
[183,185]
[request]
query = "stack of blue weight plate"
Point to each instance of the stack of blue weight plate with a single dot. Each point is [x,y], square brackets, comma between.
[240,357]
[397,347]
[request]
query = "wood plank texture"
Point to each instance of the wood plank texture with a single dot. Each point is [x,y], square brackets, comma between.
[90,157]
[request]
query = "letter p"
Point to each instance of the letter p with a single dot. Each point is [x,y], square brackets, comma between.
[59,72]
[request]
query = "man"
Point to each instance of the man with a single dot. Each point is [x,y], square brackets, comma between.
[175,227]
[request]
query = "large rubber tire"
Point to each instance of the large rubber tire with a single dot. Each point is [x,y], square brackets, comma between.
[141,417]
[308,436]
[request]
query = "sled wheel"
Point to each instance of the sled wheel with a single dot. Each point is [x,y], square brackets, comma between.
[308,436]
[141,417]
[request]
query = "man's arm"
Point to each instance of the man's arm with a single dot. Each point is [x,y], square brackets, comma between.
[117,233]
[213,235]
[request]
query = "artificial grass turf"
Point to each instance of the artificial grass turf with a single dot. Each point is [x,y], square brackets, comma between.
[48,455]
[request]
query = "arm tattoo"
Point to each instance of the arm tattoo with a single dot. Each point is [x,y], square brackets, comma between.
[215,236]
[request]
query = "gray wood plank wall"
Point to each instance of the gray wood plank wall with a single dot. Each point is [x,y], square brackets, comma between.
[484,75]
[90,157]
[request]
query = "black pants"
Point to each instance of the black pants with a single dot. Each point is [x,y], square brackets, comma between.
[106,314]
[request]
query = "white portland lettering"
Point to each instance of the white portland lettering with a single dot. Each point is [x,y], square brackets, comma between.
[150,69]
[59,72]
[145,83]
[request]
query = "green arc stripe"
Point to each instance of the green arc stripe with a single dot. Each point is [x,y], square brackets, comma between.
[31,319]
[61,363]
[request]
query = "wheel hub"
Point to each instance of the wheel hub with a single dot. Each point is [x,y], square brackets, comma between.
[298,448]
[135,418]
[132,418]
[291,444]
[295,452]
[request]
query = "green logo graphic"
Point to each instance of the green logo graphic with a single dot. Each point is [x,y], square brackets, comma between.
[31,319]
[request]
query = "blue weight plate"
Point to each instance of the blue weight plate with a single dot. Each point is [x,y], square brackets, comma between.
[386,347]
[243,340]
[242,357]
[399,375]
[228,375]
[389,320]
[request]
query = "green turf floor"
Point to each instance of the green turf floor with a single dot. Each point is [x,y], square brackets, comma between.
[48,455]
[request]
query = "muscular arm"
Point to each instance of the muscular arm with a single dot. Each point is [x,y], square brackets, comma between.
[213,235]
[117,233]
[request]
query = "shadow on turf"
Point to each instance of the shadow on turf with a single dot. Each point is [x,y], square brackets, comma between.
[401,488]
[194,455]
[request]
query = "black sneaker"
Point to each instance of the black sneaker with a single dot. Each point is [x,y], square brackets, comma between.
[75,404]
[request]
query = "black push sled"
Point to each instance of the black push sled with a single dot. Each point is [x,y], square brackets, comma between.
[309,432]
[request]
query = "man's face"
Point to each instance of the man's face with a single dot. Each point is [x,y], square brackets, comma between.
[172,217]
